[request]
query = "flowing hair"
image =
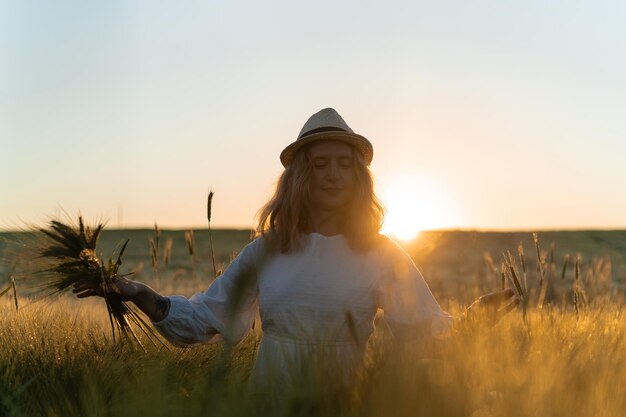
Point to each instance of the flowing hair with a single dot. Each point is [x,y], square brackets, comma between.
[287,215]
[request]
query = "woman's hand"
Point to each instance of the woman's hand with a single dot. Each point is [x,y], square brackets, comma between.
[153,304]
[126,289]
[493,306]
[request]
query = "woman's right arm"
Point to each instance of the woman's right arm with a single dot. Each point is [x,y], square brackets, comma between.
[226,309]
[153,304]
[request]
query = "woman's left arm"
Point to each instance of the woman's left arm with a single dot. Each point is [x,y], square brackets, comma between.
[412,311]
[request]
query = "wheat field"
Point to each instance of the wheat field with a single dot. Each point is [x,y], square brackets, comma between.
[57,357]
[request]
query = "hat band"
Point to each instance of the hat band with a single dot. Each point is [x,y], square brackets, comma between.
[322,129]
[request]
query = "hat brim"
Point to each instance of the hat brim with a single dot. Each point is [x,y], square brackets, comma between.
[359,142]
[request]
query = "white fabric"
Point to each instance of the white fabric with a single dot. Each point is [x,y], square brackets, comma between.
[323,297]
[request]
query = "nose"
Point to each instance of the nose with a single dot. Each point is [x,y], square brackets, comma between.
[333,173]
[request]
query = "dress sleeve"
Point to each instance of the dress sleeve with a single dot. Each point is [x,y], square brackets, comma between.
[226,310]
[410,308]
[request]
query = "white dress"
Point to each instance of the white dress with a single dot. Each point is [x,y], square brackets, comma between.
[321,298]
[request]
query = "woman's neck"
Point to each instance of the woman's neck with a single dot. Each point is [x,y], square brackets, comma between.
[326,223]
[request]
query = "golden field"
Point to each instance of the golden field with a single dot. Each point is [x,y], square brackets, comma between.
[57,357]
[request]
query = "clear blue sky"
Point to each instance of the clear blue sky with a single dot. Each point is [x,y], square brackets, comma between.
[482,114]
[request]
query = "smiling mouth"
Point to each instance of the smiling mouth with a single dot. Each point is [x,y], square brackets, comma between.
[332,192]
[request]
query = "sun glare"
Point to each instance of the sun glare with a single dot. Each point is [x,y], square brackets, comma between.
[413,207]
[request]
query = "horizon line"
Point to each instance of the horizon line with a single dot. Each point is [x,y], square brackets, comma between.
[443,229]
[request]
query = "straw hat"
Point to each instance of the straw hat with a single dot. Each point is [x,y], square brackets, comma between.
[327,124]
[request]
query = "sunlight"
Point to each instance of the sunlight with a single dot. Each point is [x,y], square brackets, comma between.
[413,206]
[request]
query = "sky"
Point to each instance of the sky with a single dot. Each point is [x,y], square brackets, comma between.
[483,115]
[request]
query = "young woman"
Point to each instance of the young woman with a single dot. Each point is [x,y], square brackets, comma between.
[317,273]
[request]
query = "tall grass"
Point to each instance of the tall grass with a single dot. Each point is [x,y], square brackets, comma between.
[568,358]
[56,360]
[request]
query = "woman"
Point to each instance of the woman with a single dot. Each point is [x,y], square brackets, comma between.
[318,272]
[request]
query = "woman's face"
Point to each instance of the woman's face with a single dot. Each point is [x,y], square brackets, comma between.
[333,180]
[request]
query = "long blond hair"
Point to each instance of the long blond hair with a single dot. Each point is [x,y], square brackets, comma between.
[287,215]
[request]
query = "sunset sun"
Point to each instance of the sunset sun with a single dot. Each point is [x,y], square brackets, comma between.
[413,207]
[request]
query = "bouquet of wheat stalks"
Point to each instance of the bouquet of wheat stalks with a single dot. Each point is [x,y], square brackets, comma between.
[70,254]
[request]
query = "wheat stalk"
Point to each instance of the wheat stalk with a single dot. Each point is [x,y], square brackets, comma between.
[552,250]
[17,307]
[209,205]
[520,253]
[565,262]
[167,251]
[539,258]
[154,253]
[190,241]
[580,298]
[543,280]
[510,268]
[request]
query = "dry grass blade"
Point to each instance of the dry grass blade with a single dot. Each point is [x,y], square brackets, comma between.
[565,262]
[516,282]
[17,307]
[6,290]
[510,264]
[510,268]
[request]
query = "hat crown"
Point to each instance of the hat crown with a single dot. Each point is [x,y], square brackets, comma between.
[327,124]
[327,118]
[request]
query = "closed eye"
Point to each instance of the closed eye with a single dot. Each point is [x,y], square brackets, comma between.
[320,162]
[345,162]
